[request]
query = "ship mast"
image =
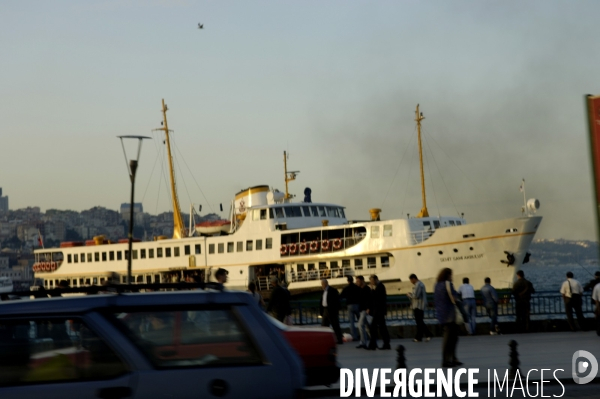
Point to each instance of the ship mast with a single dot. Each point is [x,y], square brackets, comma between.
[418,118]
[289,176]
[178,227]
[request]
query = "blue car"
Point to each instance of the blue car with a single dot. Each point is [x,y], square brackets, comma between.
[190,344]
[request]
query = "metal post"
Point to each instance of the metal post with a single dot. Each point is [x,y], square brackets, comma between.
[133,167]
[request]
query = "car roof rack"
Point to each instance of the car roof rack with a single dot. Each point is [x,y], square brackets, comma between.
[41,292]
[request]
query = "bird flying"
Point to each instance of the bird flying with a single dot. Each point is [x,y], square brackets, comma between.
[200,26]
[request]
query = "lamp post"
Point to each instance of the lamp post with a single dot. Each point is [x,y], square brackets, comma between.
[132,168]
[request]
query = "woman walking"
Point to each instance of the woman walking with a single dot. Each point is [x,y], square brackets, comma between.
[445,298]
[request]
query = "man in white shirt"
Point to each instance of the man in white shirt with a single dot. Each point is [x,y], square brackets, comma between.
[596,299]
[418,299]
[467,292]
[571,291]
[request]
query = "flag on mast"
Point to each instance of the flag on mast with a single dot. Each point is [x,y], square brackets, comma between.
[522,187]
[40,240]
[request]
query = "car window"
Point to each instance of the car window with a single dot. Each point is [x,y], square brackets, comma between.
[190,338]
[44,350]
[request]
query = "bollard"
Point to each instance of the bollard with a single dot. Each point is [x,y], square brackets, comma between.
[513,356]
[400,359]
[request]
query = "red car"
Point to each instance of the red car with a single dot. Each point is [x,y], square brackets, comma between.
[317,348]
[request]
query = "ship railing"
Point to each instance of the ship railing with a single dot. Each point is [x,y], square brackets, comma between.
[543,305]
[346,243]
[420,236]
[313,275]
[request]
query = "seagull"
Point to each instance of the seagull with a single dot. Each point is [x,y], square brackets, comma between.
[200,26]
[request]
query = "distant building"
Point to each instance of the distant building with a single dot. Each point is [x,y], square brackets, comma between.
[3,202]
[138,212]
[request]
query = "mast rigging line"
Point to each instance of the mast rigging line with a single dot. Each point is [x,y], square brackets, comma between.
[398,169]
[441,175]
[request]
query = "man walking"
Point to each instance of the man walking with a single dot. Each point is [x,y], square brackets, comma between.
[522,291]
[418,299]
[571,291]
[351,294]
[378,309]
[467,293]
[279,304]
[490,301]
[363,305]
[330,308]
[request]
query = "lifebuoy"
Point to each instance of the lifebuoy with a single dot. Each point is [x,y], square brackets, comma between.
[303,247]
[283,250]
[314,246]
[34,268]
[47,268]
[53,266]
[337,243]
[293,248]
[325,245]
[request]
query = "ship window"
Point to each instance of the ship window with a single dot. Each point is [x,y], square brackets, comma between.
[111,255]
[306,211]
[385,261]
[249,245]
[135,253]
[374,231]
[211,248]
[358,264]
[258,245]
[451,222]
[301,267]
[240,246]
[333,264]
[82,258]
[322,211]
[175,251]
[76,258]
[371,263]
[157,278]
[159,252]
[103,256]
[94,280]
[69,258]
[346,264]
[311,266]
[270,213]
[268,243]
[186,249]
[387,230]
[80,282]
[436,224]
[279,212]
[427,224]
[293,211]
[151,253]
[97,256]
[168,252]
[333,212]
[468,235]
[143,253]
[314,211]
[263,214]
[197,249]
[126,255]
[322,265]
[342,214]
[119,255]
[230,247]
[256,214]
[221,247]
[458,223]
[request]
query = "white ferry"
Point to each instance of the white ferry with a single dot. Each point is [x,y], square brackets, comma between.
[302,242]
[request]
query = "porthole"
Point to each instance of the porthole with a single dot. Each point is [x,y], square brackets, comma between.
[440,252]
[471,248]
[455,250]
[418,254]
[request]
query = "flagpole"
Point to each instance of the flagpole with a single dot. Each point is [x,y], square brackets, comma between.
[524,197]
[40,239]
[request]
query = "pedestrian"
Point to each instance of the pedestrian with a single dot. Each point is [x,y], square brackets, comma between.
[571,291]
[446,298]
[257,297]
[592,283]
[351,293]
[467,293]
[221,276]
[378,309]
[596,299]
[363,305]
[330,309]
[522,291]
[490,301]
[418,299]
[279,303]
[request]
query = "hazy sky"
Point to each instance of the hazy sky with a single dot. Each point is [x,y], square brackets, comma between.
[335,83]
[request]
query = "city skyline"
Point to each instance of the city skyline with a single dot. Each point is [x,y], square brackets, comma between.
[335,84]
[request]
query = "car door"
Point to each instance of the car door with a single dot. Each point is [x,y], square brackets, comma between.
[58,357]
[207,351]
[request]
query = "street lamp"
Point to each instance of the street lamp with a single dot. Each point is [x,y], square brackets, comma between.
[132,168]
